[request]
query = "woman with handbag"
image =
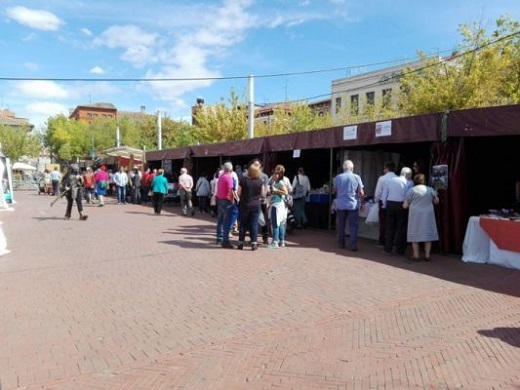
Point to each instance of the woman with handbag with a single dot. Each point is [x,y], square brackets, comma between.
[101,178]
[277,210]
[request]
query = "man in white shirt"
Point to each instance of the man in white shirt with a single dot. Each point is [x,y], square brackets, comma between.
[185,187]
[389,173]
[393,196]
[56,179]
[121,181]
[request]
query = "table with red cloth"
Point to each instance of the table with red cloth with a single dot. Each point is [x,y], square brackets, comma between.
[492,240]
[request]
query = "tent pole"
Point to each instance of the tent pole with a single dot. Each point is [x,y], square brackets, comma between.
[331,162]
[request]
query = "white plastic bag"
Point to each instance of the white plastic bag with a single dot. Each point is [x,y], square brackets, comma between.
[261,219]
[373,215]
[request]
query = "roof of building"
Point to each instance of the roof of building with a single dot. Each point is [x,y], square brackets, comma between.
[8,118]
[106,106]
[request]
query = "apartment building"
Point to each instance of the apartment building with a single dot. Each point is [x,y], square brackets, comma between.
[351,95]
[91,111]
[9,119]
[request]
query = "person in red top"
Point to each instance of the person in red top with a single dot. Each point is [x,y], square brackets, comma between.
[102,179]
[146,180]
[224,196]
[89,184]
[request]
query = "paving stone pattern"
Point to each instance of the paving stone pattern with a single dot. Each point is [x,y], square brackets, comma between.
[132,300]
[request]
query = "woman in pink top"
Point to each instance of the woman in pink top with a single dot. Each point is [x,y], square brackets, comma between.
[101,178]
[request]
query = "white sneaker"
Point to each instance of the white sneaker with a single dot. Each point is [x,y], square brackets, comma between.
[282,244]
[274,245]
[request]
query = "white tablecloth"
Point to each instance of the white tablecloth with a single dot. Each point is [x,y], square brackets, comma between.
[479,248]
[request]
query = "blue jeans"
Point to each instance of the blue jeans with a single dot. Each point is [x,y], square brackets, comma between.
[121,194]
[234,216]
[353,220]
[224,210]
[278,230]
[249,221]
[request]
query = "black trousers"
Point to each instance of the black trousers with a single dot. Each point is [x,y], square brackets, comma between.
[74,195]
[396,227]
[157,200]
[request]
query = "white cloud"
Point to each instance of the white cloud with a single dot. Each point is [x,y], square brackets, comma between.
[97,70]
[40,89]
[38,19]
[46,109]
[86,32]
[98,91]
[40,112]
[137,43]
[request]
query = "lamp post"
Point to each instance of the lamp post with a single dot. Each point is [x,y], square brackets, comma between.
[251,109]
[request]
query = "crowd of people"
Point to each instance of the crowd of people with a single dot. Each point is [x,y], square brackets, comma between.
[406,211]
[247,201]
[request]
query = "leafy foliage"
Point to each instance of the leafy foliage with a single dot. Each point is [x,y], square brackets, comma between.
[18,142]
[484,73]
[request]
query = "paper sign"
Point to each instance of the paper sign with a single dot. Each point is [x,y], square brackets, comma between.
[349,132]
[296,153]
[383,129]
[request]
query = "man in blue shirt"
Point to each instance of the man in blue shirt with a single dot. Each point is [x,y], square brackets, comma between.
[349,195]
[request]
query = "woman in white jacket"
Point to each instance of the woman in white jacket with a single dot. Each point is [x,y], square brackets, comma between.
[203,192]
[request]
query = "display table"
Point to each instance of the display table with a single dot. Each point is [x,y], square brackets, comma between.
[317,209]
[479,244]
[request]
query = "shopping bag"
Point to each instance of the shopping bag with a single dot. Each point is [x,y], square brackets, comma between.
[373,215]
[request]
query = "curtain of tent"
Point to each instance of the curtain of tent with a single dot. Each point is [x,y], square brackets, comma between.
[452,210]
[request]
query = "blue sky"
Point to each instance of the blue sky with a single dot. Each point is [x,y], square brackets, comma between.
[167,39]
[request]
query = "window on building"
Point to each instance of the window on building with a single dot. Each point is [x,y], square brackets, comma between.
[354,104]
[371,98]
[387,97]
[89,115]
[338,105]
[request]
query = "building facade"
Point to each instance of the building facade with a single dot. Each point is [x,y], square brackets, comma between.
[352,95]
[90,112]
[9,119]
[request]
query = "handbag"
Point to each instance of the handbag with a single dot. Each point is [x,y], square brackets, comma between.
[288,199]
[299,191]
[373,215]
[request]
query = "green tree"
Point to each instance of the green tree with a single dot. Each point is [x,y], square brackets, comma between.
[225,122]
[484,72]
[18,142]
[222,122]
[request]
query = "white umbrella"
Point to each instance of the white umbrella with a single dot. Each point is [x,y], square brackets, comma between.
[20,166]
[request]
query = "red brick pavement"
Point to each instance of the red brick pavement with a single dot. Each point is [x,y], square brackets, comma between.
[130,300]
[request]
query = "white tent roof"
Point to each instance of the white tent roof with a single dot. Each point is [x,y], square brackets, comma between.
[20,166]
[125,151]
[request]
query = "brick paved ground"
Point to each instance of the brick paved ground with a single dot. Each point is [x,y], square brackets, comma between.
[130,300]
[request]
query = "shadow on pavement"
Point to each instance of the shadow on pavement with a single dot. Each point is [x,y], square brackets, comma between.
[510,336]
